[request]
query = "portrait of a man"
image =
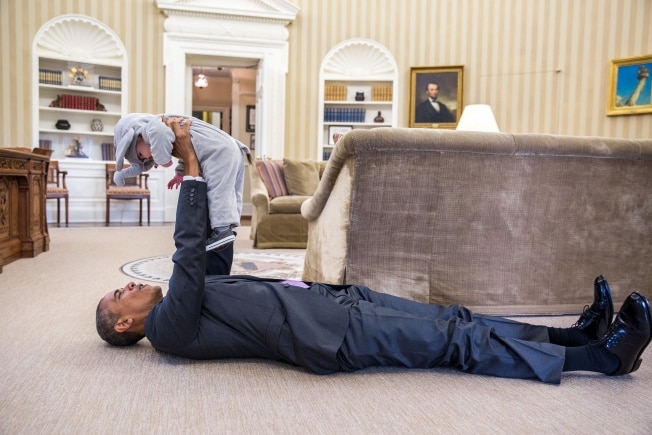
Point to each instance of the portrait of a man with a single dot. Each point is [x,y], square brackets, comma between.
[436,96]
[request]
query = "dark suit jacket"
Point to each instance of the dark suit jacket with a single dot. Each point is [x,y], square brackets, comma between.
[209,317]
[426,113]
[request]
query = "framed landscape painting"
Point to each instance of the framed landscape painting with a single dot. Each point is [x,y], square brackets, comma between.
[630,88]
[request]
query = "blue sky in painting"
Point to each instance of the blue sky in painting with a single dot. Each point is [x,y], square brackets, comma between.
[627,81]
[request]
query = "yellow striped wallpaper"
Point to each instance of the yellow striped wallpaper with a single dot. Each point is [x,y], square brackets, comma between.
[543,65]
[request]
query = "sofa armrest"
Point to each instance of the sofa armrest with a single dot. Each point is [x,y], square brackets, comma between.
[328,215]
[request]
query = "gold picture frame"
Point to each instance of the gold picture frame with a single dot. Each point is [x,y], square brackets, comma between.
[630,87]
[450,83]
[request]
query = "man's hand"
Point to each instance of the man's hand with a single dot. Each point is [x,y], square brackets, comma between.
[182,147]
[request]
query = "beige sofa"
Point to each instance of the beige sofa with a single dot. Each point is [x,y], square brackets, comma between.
[278,188]
[504,223]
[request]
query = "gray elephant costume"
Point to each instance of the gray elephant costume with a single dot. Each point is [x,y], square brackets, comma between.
[221,158]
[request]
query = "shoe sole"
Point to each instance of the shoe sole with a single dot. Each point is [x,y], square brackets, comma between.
[220,244]
[639,360]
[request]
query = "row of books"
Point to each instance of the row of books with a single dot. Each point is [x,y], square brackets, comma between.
[381,93]
[335,93]
[108,151]
[327,155]
[344,114]
[78,102]
[110,83]
[49,76]
[340,92]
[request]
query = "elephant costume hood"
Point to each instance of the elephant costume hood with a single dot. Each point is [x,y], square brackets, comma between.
[126,134]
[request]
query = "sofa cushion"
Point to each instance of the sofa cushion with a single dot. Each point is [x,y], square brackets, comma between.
[290,204]
[301,176]
[271,173]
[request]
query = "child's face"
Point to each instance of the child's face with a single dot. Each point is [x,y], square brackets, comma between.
[143,150]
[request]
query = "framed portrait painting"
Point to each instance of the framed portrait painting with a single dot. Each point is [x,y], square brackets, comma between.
[251,118]
[630,88]
[436,96]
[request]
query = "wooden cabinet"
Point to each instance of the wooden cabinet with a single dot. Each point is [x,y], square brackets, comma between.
[358,87]
[23,230]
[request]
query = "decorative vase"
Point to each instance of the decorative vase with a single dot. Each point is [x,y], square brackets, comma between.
[379,118]
[359,96]
[96,124]
[62,124]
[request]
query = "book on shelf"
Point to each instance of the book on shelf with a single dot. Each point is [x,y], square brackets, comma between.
[110,83]
[335,93]
[381,93]
[49,76]
[344,114]
[108,152]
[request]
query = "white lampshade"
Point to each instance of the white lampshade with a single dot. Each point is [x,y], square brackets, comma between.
[477,117]
[201,82]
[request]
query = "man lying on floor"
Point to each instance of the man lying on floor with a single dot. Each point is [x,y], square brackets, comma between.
[329,328]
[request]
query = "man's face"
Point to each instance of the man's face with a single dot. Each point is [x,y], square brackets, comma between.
[132,299]
[432,90]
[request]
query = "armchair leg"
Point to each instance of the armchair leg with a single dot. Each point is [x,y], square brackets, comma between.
[147,211]
[107,212]
[58,212]
[66,204]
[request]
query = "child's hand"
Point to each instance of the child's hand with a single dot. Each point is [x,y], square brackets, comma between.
[175,181]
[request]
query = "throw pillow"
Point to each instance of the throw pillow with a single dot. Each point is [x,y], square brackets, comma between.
[271,172]
[301,176]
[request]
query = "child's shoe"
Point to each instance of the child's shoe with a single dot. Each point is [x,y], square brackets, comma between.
[220,240]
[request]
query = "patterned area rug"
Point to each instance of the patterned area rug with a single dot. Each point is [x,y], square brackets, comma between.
[284,266]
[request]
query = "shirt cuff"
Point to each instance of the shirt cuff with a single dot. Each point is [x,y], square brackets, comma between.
[190,177]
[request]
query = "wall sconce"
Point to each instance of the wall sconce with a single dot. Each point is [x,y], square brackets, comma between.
[478,117]
[201,81]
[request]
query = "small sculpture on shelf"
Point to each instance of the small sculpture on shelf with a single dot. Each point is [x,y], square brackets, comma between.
[78,76]
[96,124]
[359,96]
[62,124]
[379,118]
[76,149]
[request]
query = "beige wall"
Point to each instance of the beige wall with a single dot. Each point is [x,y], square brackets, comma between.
[511,50]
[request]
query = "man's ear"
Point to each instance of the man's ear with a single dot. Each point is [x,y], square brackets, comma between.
[123,324]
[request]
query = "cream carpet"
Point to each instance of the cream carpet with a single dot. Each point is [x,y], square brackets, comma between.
[57,376]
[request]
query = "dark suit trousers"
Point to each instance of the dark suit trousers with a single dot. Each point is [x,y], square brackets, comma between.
[385,330]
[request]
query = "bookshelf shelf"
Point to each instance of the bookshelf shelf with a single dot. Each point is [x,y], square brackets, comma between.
[358,85]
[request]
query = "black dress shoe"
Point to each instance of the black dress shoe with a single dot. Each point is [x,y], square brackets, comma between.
[629,334]
[596,319]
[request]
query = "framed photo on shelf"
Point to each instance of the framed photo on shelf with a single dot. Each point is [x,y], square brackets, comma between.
[436,96]
[251,118]
[252,142]
[630,88]
[336,131]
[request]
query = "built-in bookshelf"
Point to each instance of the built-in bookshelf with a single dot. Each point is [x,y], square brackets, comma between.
[82,113]
[80,70]
[358,83]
